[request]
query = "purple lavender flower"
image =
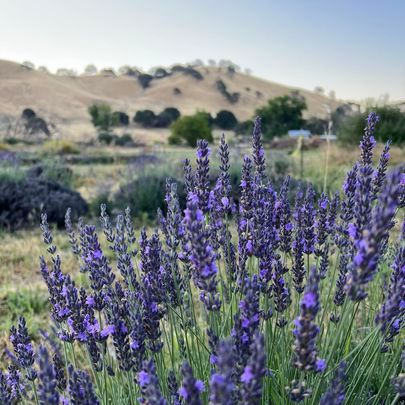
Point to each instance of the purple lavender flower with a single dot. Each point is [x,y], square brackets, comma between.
[392,312]
[308,215]
[335,395]
[149,383]
[124,257]
[281,292]
[173,388]
[71,233]
[116,314]
[380,172]
[47,234]
[298,268]
[349,189]
[100,273]
[202,255]
[47,388]
[322,224]
[188,176]
[369,243]
[258,151]
[137,331]
[246,321]
[324,264]
[81,391]
[191,388]
[23,350]
[253,373]
[11,386]
[368,142]
[221,383]
[305,332]
[202,174]
[5,390]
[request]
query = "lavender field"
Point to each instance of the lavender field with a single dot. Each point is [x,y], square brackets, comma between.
[267,294]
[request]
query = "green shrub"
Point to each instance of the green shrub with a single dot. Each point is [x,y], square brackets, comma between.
[282,114]
[225,120]
[124,140]
[23,201]
[391,126]
[146,118]
[106,137]
[166,117]
[119,118]
[190,129]
[52,170]
[145,195]
[101,116]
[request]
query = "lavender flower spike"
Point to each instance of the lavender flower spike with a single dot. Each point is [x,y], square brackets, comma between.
[255,370]
[191,388]
[369,245]
[258,151]
[391,316]
[335,395]
[23,348]
[149,383]
[48,393]
[202,255]
[221,384]
[202,174]
[305,351]
[80,389]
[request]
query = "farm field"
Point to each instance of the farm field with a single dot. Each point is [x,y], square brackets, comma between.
[240,301]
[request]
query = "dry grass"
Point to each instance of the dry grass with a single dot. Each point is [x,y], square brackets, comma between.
[64,100]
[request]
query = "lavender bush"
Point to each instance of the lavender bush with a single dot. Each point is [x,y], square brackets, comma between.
[263,300]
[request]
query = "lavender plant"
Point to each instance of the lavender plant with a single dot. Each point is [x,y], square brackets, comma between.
[261,299]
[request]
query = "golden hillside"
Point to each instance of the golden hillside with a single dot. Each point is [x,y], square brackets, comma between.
[65,100]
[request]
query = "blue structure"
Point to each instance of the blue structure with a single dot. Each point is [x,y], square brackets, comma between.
[295,133]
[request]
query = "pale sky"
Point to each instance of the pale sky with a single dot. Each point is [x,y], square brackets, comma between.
[354,47]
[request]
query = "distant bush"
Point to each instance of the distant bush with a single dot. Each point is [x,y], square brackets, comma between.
[106,137]
[119,118]
[124,140]
[231,97]
[166,117]
[172,112]
[282,114]
[391,126]
[52,170]
[23,201]
[188,70]
[34,124]
[207,117]
[160,73]
[189,129]
[59,147]
[146,118]
[101,116]
[225,120]
[145,195]
[144,80]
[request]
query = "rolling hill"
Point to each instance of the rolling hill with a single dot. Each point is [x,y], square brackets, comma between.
[65,100]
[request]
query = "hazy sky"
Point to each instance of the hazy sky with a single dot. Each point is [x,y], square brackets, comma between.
[355,47]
